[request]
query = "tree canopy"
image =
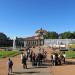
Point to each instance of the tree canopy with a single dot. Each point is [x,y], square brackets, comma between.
[67,35]
[51,35]
[64,35]
[3,36]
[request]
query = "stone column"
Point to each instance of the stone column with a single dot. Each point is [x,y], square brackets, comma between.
[25,43]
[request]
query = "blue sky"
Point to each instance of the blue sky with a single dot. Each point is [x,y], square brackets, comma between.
[23,17]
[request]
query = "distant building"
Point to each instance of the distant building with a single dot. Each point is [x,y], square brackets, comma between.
[37,40]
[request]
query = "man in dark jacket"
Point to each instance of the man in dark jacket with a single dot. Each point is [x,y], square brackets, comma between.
[24,60]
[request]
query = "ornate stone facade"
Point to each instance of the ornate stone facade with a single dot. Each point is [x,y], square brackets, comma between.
[37,40]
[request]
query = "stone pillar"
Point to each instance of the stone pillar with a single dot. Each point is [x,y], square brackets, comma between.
[25,43]
[36,42]
[30,43]
[39,42]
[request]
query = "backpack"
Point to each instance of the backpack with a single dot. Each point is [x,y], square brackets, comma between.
[10,63]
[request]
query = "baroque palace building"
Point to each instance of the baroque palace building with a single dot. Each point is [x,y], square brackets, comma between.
[37,40]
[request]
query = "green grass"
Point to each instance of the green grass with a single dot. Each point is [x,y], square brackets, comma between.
[72,46]
[70,54]
[4,54]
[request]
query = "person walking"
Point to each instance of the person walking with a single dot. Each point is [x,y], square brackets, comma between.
[24,62]
[10,64]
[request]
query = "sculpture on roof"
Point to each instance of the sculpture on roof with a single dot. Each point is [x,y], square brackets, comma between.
[41,32]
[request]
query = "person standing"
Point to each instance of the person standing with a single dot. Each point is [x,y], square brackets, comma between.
[54,60]
[64,56]
[33,59]
[21,55]
[28,52]
[10,64]
[31,54]
[51,58]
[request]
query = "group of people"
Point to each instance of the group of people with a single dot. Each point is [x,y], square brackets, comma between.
[37,59]
[58,58]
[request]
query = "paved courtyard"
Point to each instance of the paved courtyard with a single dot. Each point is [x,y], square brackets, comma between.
[42,70]
[18,69]
[47,69]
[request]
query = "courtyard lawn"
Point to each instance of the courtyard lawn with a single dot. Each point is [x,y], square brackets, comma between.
[4,54]
[70,54]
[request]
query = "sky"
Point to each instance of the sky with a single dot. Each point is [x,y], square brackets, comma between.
[22,18]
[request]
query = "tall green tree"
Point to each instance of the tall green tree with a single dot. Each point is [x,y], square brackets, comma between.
[73,35]
[3,36]
[66,35]
[4,40]
[51,35]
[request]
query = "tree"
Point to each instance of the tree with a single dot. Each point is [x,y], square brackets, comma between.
[51,35]
[3,36]
[4,40]
[66,35]
[73,35]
